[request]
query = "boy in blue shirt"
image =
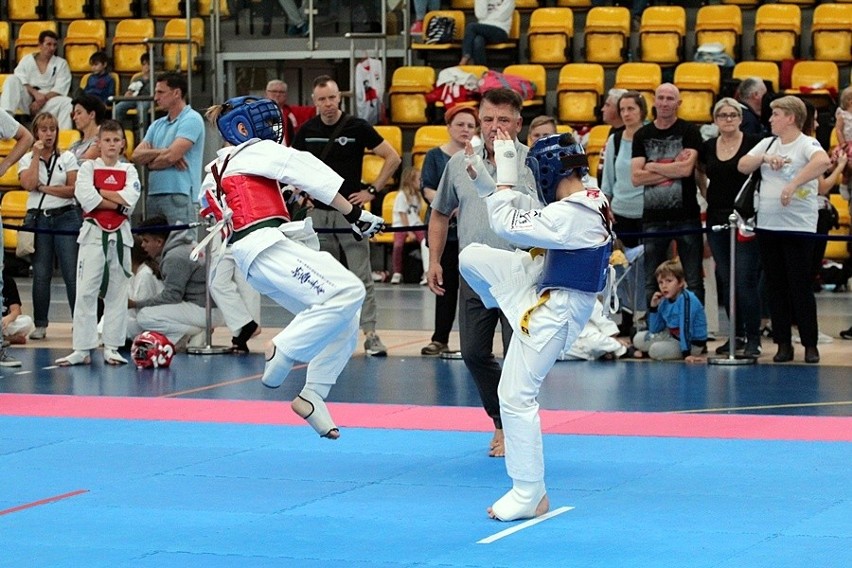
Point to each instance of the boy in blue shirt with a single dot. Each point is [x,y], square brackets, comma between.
[677,327]
[100,83]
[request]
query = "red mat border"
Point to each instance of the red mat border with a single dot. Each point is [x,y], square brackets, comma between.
[410,417]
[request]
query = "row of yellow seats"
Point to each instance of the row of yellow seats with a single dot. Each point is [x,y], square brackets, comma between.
[84,37]
[28,10]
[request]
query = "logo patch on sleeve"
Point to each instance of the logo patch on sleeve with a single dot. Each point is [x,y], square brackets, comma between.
[522,220]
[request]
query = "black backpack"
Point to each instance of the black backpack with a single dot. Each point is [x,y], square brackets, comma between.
[440,30]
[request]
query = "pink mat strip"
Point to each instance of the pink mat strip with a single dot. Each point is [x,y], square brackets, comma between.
[466,419]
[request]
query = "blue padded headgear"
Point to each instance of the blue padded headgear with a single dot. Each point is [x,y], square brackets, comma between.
[261,118]
[553,158]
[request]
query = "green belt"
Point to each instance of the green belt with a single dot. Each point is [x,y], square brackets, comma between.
[275,222]
[119,251]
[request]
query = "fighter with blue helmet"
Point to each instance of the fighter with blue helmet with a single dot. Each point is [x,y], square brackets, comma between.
[281,258]
[547,293]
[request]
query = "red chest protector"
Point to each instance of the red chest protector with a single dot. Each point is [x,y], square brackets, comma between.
[110,180]
[253,199]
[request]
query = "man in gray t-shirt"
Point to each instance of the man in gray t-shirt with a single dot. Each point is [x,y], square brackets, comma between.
[500,109]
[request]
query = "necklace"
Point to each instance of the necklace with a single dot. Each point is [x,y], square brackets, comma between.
[729,146]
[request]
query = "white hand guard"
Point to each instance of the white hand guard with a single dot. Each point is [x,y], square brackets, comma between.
[365,224]
[506,160]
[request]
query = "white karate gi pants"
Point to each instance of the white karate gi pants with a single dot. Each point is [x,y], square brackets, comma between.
[239,302]
[90,270]
[524,366]
[325,297]
[15,96]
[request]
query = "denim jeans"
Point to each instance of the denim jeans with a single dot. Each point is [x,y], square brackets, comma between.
[48,247]
[747,276]
[476,37]
[143,110]
[690,249]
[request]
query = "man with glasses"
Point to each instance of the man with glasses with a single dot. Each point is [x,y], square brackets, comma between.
[664,155]
[172,151]
[293,116]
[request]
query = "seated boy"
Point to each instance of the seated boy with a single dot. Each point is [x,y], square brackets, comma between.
[677,327]
[100,83]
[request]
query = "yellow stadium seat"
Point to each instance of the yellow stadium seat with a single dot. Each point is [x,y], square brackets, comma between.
[462,5]
[749,4]
[720,24]
[777,28]
[805,3]
[642,77]
[458,33]
[72,9]
[407,94]
[838,250]
[475,70]
[118,9]
[426,138]
[661,34]
[607,35]
[372,164]
[597,139]
[699,84]
[82,39]
[575,4]
[166,8]
[26,10]
[27,40]
[579,92]
[4,45]
[13,209]
[536,75]
[550,35]
[510,46]
[766,70]
[66,138]
[563,128]
[816,81]
[128,44]
[831,33]
[130,140]
[177,55]
[387,214]
[205,5]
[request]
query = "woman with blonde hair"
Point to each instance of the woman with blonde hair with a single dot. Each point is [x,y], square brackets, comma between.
[406,213]
[49,175]
[790,163]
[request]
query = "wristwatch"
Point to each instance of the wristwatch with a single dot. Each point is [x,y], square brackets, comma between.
[372,190]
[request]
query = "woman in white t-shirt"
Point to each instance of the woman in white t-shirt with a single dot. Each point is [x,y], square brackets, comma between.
[49,175]
[407,209]
[790,163]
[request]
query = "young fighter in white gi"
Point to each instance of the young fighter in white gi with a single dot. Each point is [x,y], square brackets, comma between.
[280,258]
[547,295]
[107,190]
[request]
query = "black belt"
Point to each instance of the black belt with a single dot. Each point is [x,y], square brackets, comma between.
[54,212]
[275,222]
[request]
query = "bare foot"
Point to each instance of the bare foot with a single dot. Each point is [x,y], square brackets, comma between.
[542,507]
[497,449]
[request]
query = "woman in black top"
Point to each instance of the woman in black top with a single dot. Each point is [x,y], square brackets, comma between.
[720,182]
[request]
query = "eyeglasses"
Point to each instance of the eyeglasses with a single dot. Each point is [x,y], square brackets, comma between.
[727,116]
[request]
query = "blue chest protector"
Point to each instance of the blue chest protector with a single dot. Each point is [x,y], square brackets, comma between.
[585,269]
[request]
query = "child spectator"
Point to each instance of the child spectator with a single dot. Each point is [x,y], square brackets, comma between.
[100,83]
[677,328]
[140,86]
[145,282]
[406,213]
[107,190]
[16,325]
[598,340]
[843,126]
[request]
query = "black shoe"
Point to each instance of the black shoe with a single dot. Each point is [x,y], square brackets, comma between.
[752,348]
[811,355]
[846,334]
[785,353]
[725,348]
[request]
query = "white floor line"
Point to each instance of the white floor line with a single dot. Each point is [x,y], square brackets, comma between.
[524,525]
[49,367]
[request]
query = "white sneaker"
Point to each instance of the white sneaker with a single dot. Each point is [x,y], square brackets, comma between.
[7,360]
[396,278]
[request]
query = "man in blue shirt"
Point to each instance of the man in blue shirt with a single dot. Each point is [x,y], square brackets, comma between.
[172,151]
